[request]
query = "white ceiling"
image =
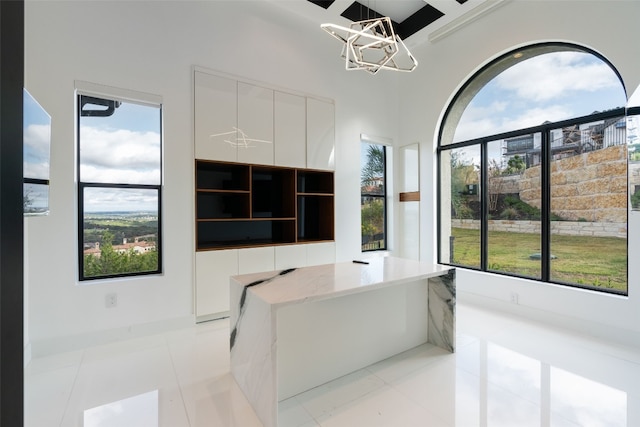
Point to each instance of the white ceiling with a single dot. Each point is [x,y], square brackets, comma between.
[454,14]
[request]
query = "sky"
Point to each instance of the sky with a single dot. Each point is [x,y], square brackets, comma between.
[36,130]
[121,148]
[550,87]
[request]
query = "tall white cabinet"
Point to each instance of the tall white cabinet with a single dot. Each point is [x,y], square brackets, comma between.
[242,121]
[289,130]
[255,124]
[215,117]
[320,134]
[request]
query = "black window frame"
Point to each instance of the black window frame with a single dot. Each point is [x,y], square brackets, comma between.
[494,68]
[545,185]
[382,197]
[81,186]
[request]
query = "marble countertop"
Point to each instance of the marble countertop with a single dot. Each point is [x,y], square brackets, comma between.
[280,288]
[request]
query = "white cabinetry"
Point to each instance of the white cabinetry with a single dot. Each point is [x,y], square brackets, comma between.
[255,260]
[215,111]
[213,269]
[297,256]
[247,122]
[290,130]
[291,256]
[321,253]
[255,122]
[320,134]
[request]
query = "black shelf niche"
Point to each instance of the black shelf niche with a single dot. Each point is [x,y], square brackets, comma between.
[272,192]
[222,176]
[242,205]
[315,182]
[249,233]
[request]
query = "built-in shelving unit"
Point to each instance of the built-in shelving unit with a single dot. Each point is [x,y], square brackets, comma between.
[315,205]
[243,205]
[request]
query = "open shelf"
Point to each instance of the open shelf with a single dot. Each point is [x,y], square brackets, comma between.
[315,218]
[315,182]
[239,234]
[222,176]
[272,192]
[219,205]
[242,205]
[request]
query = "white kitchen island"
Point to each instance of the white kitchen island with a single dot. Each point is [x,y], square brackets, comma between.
[293,330]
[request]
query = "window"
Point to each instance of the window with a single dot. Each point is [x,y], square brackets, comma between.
[373,193]
[633,143]
[36,147]
[119,186]
[533,170]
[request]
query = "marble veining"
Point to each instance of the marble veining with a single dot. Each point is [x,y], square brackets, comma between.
[442,314]
[234,330]
[257,298]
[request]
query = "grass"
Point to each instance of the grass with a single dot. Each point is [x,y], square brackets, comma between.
[591,261]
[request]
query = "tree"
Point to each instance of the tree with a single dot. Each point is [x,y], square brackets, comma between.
[373,169]
[112,262]
[515,165]
[463,173]
[372,218]
[372,210]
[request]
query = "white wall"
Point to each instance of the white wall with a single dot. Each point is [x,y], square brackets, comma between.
[605,26]
[151,47]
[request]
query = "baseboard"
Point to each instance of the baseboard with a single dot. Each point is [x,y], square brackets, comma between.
[61,344]
[619,336]
[215,316]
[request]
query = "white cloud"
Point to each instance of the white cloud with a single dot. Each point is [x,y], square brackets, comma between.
[119,156]
[550,76]
[110,199]
[477,122]
[36,151]
[37,138]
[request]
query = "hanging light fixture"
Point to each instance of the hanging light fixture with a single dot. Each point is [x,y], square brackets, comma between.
[372,45]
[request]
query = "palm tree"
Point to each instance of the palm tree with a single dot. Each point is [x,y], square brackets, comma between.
[373,170]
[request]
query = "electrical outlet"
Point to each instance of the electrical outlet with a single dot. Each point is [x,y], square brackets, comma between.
[514,297]
[111,300]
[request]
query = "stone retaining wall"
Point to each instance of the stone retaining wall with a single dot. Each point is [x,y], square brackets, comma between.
[590,186]
[566,228]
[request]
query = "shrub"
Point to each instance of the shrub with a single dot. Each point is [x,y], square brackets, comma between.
[509,213]
[526,211]
[635,200]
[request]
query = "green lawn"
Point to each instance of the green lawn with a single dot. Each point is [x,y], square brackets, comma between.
[593,261]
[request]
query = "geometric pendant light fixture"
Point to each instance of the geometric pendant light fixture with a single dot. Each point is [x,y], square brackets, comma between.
[372,45]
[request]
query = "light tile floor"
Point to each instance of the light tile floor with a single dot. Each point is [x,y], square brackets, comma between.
[507,371]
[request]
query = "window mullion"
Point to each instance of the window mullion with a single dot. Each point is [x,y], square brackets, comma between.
[484,209]
[545,205]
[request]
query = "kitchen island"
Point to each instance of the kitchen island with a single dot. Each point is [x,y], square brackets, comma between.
[295,329]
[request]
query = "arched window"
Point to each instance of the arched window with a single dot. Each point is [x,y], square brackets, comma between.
[533,169]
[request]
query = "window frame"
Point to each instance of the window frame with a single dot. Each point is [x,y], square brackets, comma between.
[446,131]
[382,197]
[545,186]
[125,96]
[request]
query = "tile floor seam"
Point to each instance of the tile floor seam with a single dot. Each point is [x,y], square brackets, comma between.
[72,388]
[411,397]
[306,410]
[175,374]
